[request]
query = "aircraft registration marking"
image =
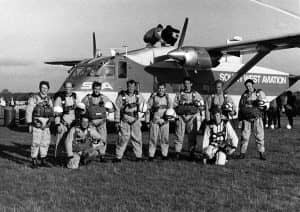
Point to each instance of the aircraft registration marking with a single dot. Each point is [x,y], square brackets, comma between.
[88,86]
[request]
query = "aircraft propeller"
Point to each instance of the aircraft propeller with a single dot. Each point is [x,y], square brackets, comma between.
[176,53]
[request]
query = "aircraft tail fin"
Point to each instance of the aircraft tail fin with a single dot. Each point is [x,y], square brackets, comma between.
[94,45]
[96,53]
[180,42]
[183,32]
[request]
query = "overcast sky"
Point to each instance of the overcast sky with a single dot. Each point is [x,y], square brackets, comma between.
[34,31]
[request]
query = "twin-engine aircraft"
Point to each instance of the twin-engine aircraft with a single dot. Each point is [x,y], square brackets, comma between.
[204,65]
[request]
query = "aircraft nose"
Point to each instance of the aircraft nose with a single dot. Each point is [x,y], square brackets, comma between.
[179,55]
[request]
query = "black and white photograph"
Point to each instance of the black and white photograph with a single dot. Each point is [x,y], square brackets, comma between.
[162,105]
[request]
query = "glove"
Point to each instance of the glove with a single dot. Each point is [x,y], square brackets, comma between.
[148,125]
[59,129]
[234,113]
[229,150]
[161,121]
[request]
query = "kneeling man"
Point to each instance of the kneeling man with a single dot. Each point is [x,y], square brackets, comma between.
[83,143]
[220,139]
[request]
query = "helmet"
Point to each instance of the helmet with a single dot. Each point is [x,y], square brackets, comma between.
[81,106]
[200,104]
[143,108]
[170,113]
[260,95]
[261,104]
[58,109]
[108,105]
[228,107]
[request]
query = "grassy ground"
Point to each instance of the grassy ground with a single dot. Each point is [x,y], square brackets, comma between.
[242,185]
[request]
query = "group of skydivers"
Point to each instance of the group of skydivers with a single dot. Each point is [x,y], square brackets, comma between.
[81,133]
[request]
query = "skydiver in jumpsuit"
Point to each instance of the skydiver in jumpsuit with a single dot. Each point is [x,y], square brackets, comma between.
[158,103]
[129,103]
[250,114]
[39,113]
[189,107]
[64,121]
[97,113]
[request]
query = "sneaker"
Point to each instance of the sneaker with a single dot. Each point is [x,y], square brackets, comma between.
[262,156]
[69,158]
[272,126]
[138,159]
[192,156]
[242,156]
[44,163]
[34,163]
[164,158]
[102,159]
[85,159]
[73,162]
[117,160]
[177,156]
[60,161]
[288,126]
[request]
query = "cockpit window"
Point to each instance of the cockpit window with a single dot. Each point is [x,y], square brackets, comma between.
[77,72]
[107,70]
[102,70]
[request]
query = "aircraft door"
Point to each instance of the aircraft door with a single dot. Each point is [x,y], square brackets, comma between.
[122,73]
[122,69]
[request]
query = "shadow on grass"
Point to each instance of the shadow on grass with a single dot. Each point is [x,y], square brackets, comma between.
[19,128]
[16,127]
[18,153]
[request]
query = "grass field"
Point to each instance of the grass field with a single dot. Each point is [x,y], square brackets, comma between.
[242,185]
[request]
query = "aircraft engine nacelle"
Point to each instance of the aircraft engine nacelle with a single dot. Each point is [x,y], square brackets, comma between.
[194,58]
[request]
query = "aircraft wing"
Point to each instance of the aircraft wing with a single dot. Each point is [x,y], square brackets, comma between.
[170,70]
[206,57]
[260,47]
[293,79]
[64,63]
[163,65]
[283,42]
